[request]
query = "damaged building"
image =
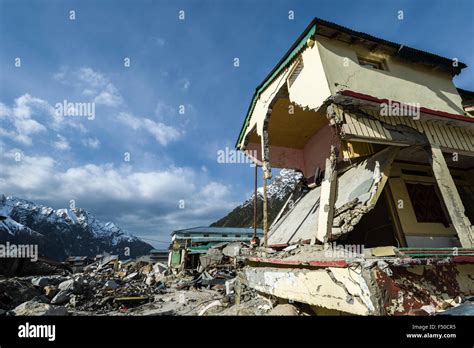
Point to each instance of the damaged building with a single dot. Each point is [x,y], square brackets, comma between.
[385,143]
[189,245]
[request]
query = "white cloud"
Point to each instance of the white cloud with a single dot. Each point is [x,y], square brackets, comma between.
[26,175]
[164,110]
[92,84]
[158,41]
[185,84]
[91,77]
[162,133]
[109,96]
[19,116]
[119,192]
[29,116]
[92,143]
[62,144]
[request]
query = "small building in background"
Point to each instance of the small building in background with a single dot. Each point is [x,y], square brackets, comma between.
[159,255]
[77,263]
[189,243]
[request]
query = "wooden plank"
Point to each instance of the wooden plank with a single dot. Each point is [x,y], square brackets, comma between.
[454,137]
[382,131]
[371,124]
[470,138]
[449,143]
[462,138]
[427,131]
[451,197]
[361,127]
[441,139]
[419,126]
[327,201]
[433,133]
[366,123]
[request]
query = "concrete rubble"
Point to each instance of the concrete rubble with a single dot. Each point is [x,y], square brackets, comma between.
[239,279]
[143,288]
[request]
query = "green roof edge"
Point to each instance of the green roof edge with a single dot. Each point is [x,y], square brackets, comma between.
[287,58]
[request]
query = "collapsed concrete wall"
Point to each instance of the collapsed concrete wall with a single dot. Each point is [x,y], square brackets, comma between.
[358,188]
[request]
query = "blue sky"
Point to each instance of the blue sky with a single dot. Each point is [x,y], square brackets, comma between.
[173,62]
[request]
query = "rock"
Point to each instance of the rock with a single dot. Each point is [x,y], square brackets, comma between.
[130,276]
[212,257]
[67,285]
[111,285]
[159,268]
[41,299]
[14,292]
[73,301]
[39,309]
[50,291]
[40,282]
[229,286]
[146,269]
[61,298]
[150,279]
[284,310]
[232,250]
[159,277]
[428,309]
[77,285]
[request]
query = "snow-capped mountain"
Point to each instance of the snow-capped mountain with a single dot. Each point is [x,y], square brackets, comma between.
[278,191]
[63,232]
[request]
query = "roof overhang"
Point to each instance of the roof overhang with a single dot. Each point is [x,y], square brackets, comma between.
[334,31]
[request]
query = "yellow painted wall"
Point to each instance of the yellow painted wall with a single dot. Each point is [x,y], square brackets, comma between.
[404,81]
[310,89]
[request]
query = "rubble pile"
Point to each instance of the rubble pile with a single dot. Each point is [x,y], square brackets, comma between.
[113,287]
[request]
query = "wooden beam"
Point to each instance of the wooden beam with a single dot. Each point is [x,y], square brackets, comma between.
[265,212]
[255,201]
[451,197]
[327,200]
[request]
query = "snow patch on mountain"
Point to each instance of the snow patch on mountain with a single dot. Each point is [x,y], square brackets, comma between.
[279,188]
[64,232]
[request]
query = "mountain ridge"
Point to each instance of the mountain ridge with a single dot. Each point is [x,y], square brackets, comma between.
[278,192]
[60,233]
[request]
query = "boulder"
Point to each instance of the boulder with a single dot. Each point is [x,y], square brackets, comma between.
[284,310]
[150,279]
[232,250]
[62,297]
[111,285]
[130,276]
[41,298]
[160,267]
[38,309]
[67,285]
[40,282]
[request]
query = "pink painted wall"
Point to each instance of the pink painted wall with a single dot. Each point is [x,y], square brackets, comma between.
[316,150]
[313,154]
[280,157]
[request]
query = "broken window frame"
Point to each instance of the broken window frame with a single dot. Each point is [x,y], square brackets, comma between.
[406,215]
[372,63]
